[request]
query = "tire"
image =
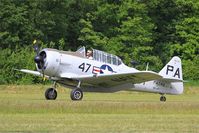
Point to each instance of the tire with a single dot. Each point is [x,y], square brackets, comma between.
[51,94]
[76,94]
[163,99]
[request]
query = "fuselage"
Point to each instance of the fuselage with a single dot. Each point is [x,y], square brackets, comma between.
[59,63]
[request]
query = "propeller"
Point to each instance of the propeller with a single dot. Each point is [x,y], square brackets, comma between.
[39,58]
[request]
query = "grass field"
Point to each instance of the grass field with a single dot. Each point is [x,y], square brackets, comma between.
[24,109]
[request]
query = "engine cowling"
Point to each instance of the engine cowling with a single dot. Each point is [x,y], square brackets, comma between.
[48,60]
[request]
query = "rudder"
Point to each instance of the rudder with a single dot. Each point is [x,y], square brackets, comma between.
[172,74]
[173,69]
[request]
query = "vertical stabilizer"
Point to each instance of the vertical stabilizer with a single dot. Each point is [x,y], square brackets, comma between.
[172,74]
[173,69]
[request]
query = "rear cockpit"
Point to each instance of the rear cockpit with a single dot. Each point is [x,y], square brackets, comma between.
[100,56]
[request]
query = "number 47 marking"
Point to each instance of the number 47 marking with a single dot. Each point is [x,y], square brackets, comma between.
[84,67]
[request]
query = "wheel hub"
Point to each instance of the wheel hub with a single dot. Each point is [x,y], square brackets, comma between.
[77,95]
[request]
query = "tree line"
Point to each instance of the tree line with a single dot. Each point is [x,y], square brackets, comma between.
[140,30]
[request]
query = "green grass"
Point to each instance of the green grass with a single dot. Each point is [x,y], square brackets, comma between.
[24,109]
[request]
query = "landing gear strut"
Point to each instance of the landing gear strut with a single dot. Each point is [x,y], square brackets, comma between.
[76,94]
[163,98]
[51,93]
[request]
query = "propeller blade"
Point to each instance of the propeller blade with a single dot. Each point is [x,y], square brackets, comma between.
[36,47]
[35,41]
[43,75]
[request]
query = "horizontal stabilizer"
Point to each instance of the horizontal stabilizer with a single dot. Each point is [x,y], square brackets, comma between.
[173,80]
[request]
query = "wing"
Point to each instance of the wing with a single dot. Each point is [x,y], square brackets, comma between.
[106,80]
[109,80]
[29,72]
[36,73]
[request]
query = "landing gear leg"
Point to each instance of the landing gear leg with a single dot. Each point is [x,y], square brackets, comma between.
[51,93]
[163,98]
[77,94]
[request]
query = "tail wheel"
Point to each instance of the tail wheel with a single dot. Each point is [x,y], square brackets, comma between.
[163,99]
[51,94]
[76,94]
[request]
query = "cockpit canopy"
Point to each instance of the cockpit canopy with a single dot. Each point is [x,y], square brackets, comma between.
[102,56]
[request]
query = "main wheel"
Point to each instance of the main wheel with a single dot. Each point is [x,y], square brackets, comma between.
[163,99]
[51,94]
[76,94]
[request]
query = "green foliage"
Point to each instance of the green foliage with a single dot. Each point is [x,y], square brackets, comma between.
[191,69]
[118,28]
[144,31]
[11,60]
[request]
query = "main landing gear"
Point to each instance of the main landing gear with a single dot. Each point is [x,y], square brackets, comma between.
[76,94]
[163,98]
[51,93]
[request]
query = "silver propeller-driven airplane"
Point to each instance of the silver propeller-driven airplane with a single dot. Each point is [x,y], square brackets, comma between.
[103,72]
